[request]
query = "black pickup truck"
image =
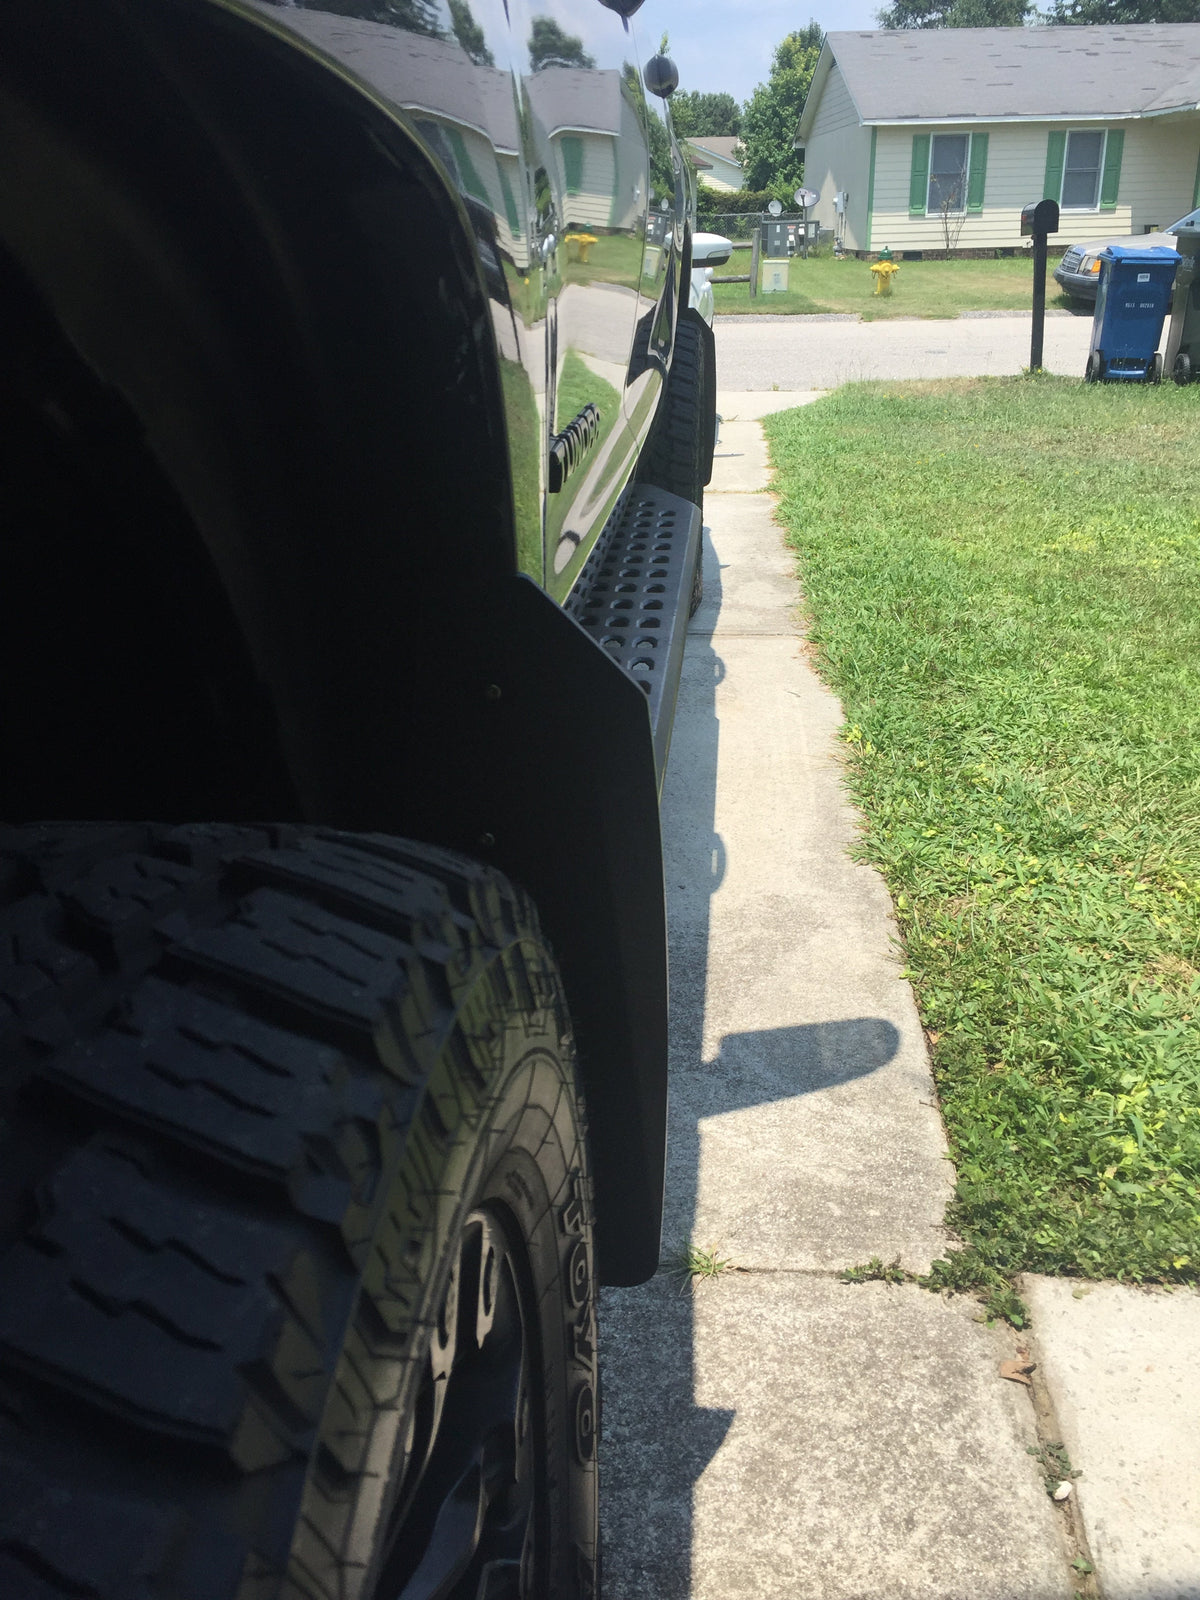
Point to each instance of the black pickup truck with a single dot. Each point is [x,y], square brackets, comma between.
[353,433]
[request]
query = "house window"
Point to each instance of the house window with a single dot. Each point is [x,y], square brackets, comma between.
[1081,170]
[948,173]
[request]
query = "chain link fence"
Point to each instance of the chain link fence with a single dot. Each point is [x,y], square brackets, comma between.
[759,236]
[798,234]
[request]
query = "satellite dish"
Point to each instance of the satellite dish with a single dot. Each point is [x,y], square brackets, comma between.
[806,197]
[774,207]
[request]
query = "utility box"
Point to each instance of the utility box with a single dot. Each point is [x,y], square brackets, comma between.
[775,238]
[775,276]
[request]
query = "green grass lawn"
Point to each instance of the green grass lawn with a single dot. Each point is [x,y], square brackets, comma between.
[919,289]
[612,258]
[1003,576]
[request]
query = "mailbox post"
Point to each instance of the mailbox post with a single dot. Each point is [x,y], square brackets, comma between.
[1039,218]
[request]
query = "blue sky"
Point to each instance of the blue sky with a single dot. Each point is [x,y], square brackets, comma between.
[727,44]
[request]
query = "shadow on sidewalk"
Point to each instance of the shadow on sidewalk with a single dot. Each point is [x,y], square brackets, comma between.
[657,1441]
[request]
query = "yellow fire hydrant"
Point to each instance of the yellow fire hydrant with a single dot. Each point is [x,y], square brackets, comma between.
[578,245]
[883,272]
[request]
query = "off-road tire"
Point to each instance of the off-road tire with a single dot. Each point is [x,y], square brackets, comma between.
[678,453]
[287,1116]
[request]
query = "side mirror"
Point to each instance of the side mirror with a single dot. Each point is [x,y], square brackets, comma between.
[710,250]
[661,77]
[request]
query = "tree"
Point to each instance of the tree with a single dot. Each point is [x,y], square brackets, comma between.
[952,215]
[773,111]
[955,14]
[1124,11]
[549,46]
[700,116]
[469,34]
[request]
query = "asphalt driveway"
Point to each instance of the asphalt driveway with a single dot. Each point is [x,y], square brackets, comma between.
[765,352]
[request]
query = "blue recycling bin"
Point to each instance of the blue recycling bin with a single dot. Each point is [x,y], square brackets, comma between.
[1131,302]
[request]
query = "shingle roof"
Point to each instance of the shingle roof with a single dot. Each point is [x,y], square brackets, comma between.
[719,144]
[965,73]
[423,74]
[575,97]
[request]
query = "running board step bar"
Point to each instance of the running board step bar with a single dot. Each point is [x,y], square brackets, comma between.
[634,593]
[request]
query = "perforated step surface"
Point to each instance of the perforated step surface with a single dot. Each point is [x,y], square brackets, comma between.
[633,596]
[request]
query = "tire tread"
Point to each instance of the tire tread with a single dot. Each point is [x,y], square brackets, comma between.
[674,455]
[222,1064]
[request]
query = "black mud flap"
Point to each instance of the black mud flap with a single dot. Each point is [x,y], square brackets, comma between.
[570,811]
[576,733]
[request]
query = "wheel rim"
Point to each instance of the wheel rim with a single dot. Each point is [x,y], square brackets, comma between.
[467,1519]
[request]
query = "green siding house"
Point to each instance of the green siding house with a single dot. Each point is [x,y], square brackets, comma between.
[934,139]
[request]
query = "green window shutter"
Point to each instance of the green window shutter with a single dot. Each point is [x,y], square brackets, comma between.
[572,153]
[510,204]
[468,175]
[918,182]
[1114,147]
[977,174]
[1056,155]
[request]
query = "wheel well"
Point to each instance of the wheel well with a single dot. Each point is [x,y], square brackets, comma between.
[235,400]
[127,686]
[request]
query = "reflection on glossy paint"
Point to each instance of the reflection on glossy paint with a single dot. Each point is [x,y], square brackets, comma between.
[586,124]
[543,131]
[447,70]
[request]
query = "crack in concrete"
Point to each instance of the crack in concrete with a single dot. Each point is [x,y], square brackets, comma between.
[1045,1418]
[1070,1523]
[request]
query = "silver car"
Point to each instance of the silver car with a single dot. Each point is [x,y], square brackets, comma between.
[1078,273]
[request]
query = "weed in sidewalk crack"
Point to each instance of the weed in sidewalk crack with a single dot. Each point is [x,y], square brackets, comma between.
[693,1264]
[969,1272]
[874,1271]
[959,1272]
[1057,1470]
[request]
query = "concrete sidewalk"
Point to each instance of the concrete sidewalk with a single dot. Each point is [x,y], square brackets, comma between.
[780,1433]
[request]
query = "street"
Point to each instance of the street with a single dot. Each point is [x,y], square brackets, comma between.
[769,352]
